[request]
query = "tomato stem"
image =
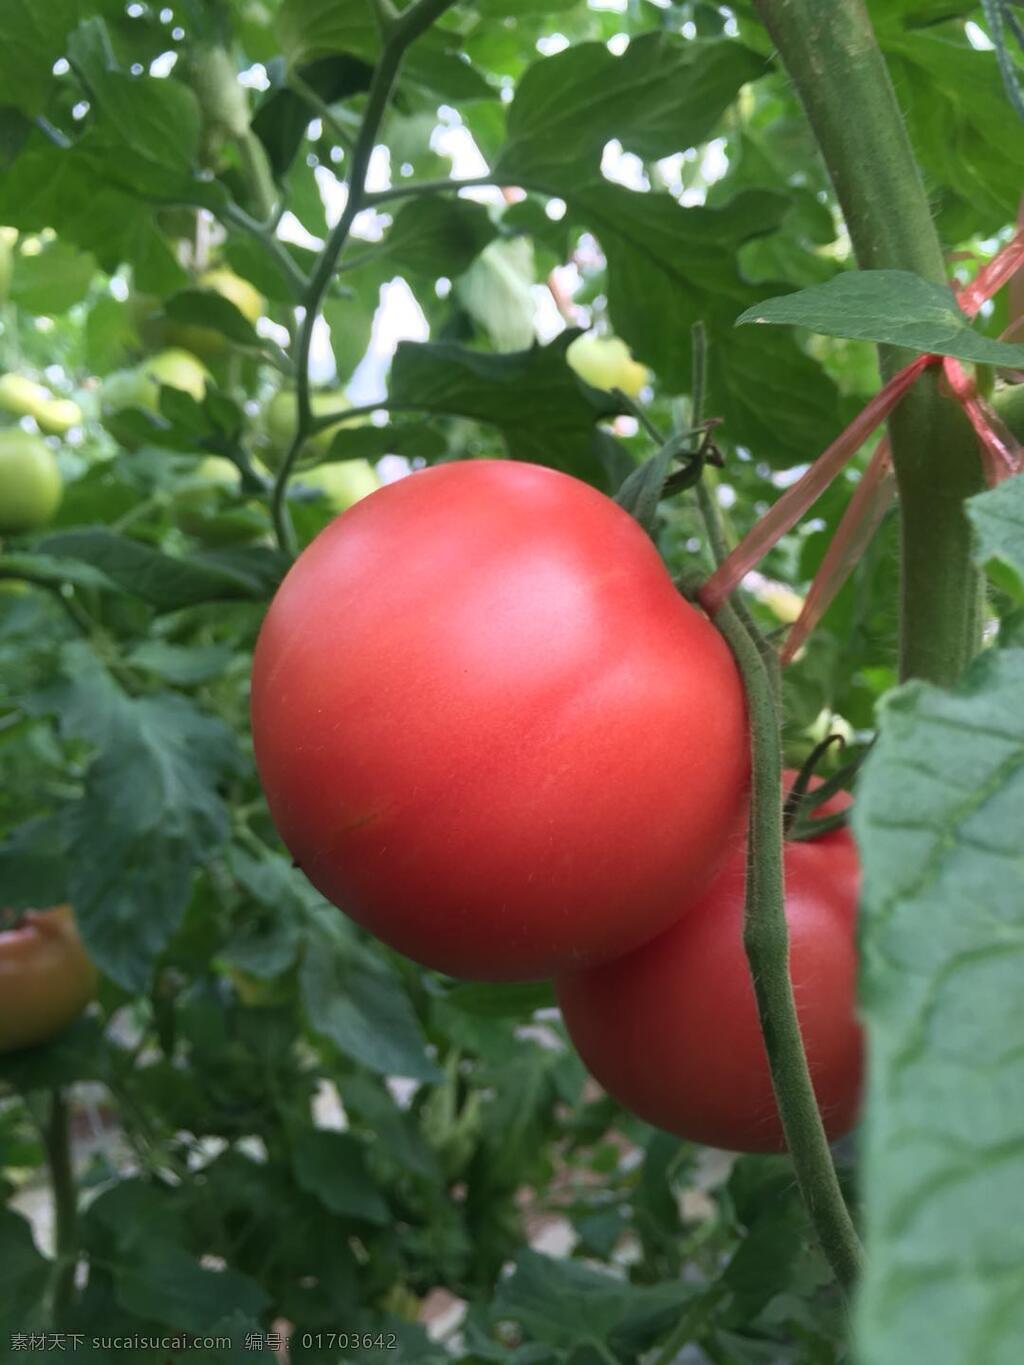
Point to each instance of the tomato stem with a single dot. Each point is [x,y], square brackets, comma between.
[400,33]
[766,940]
[65,1206]
[833,58]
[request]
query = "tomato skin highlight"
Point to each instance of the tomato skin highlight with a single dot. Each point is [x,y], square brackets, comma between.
[490,729]
[672,1032]
[46,979]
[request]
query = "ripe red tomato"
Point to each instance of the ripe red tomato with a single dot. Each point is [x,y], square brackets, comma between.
[490,729]
[672,1030]
[46,979]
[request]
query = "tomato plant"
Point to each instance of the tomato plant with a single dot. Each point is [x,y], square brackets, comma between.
[682,1047]
[512,434]
[46,977]
[499,827]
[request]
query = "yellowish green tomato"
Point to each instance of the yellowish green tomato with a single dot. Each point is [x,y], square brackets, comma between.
[783,601]
[343,482]
[198,511]
[30,482]
[122,390]
[139,387]
[201,489]
[178,370]
[25,398]
[205,342]
[281,415]
[245,296]
[606,363]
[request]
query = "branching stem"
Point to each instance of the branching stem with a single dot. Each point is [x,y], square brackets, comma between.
[400,32]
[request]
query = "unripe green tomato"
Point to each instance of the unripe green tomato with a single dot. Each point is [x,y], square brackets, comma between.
[178,370]
[8,236]
[206,342]
[281,415]
[25,398]
[197,506]
[221,98]
[140,388]
[245,296]
[343,482]
[30,482]
[201,488]
[606,363]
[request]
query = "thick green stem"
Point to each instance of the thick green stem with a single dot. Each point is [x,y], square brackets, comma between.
[400,33]
[832,55]
[766,940]
[65,1206]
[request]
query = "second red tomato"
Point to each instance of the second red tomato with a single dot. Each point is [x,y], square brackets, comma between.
[672,1030]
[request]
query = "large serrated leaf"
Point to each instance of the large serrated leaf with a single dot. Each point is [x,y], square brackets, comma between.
[554,428]
[566,1304]
[940,823]
[165,581]
[31,40]
[358,1004]
[663,95]
[25,1275]
[150,812]
[332,1167]
[892,307]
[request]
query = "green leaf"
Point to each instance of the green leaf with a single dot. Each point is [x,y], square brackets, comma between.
[963,130]
[491,1001]
[146,127]
[52,569]
[567,1305]
[184,665]
[893,307]
[393,1129]
[205,308]
[283,116]
[150,813]
[355,1001]
[23,1277]
[669,267]
[663,95]
[940,823]
[166,582]
[997,518]
[162,1282]
[267,945]
[31,40]
[434,236]
[52,279]
[414,440]
[332,1166]
[33,871]
[310,29]
[497,292]
[78,1053]
[554,428]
